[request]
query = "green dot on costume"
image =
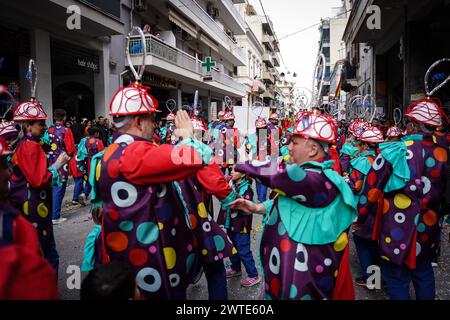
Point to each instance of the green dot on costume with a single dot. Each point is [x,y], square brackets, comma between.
[306,297]
[416,219]
[281,229]
[363,200]
[430,162]
[219,242]
[147,232]
[126,226]
[293,292]
[189,262]
[421,227]
[296,173]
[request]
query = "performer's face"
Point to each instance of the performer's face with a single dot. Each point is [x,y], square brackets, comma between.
[4,177]
[302,150]
[36,128]
[147,126]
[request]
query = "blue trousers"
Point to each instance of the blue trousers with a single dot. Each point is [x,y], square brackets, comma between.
[58,193]
[78,189]
[217,280]
[242,243]
[367,251]
[261,191]
[398,279]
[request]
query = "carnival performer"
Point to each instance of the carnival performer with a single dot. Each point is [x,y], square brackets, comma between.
[167,133]
[144,220]
[304,248]
[227,143]
[365,228]
[32,181]
[349,150]
[24,273]
[59,139]
[412,174]
[239,227]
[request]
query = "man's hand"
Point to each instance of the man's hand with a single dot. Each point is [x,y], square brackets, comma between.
[61,161]
[97,215]
[183,125]
[248,206]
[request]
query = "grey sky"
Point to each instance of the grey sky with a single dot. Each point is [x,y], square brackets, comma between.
[299,51]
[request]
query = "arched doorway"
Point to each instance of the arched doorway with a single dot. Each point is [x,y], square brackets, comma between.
[76,98]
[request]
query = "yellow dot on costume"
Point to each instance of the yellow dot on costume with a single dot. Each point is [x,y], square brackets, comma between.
[97,171]
[204,252]
[202,210]
[231,161]
[245,230]
[160,226]
[53,146]
[409,143]
[44,233]
[385,258]
[402,201]
[171,257]
[434,139]
[233,251]
[249,146]
[25,208]
[42,210]
[341,242]
[336,273]
[388,240]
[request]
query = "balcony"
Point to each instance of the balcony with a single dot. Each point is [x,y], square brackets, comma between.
[267,58]
[111,7]
[268,26]
[228,48]
[276,60]
[231,16]
[268,42]
[173,62]
[267,75]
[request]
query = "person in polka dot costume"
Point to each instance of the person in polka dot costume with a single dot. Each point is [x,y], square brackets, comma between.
[32,181]
[59,139]
[349,150]
[144,217]
[411,174]
[304,247]
[361,183]
[24,273]
[167,134]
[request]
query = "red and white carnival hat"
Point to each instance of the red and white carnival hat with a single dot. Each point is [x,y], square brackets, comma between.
[260,123]
[29,111]
[319,127]
[4,148]
[427,111]
[357,127]
[274,116]
[170,117]
[198,124]
[133,100]
[220,115]
[394,132]
[8,130]
[371,135]
[228,116]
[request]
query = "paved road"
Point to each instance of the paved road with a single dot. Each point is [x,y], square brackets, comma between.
[71,235]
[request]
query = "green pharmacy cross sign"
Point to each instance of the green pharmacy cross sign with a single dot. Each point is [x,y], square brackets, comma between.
[209,64]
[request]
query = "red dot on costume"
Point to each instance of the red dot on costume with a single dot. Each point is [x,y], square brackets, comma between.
[113,214]
[435,173]
[113,168]
[138,257]
[275,286]
[427,143]
[372,178]
[424,238]
[285,245]
[424,203]
[363,210]
[193,220]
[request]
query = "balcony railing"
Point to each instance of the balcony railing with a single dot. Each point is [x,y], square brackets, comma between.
[229,4]
[267,75]
[202,15]
[161,50]
[158,48]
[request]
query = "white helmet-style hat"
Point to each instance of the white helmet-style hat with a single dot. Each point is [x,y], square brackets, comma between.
[260,123]
[170,117]
[394,132]
[29,111]
[132,100]
[371,135]
[427,111]
[318,127]
[228,116]
[8,130]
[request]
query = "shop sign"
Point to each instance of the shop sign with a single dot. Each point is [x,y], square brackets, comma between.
[158,81]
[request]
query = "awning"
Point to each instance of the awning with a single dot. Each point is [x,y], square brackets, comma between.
[210,43]
[182,23]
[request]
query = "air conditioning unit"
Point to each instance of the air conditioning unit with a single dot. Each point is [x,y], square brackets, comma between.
[140,5]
